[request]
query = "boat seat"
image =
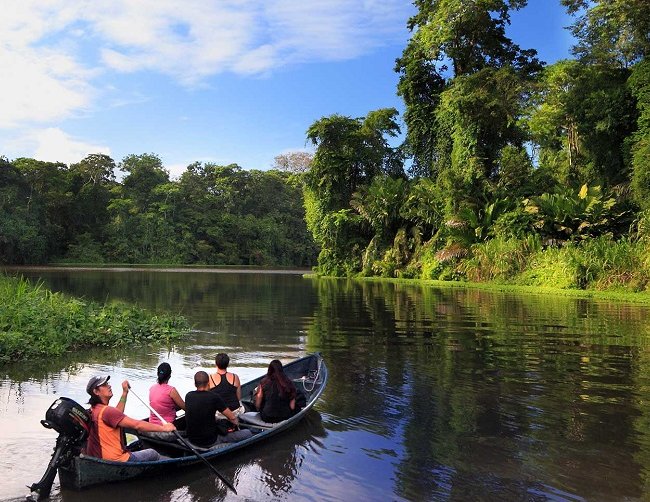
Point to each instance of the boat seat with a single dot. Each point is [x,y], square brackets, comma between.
[204,449]
[253,418]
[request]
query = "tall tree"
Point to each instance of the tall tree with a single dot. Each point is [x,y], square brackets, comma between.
[293,162]
[611,31]
[420,86]
[95,169]
[470,34]
[580,117]
[91,180]
[143,174]
[464,83]
[49,198]
[21,239]
[349,154]
[640,84]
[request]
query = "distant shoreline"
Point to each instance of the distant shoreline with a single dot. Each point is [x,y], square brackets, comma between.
[160,268]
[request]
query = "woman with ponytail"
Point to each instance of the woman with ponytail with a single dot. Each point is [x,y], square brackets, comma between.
[276,395]
[164,398]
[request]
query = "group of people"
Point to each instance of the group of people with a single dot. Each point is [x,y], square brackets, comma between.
[215,402]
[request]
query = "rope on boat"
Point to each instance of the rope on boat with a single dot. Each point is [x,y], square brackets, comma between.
[313,380]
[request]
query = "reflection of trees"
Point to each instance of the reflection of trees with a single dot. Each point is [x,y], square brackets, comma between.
[489,392]
[250,304]
[641,422]
[480,392]
[281,460]
[67,365]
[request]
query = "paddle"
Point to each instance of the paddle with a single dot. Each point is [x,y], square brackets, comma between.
[225,481]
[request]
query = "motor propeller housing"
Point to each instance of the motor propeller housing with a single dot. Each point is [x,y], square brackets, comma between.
[72,422]
[68,417]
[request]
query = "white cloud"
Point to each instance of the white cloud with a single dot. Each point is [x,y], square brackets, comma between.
[54,145]
[42,79]
[41,86]
[257,61]
[175,170]
[241,36]
[53,51]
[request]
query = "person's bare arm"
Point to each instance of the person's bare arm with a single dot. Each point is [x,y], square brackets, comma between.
[143,426]
[238,385]
[121,404]
[230,416]
[178,400]
[258,397]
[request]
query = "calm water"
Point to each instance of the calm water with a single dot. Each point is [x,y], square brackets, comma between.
[434,394]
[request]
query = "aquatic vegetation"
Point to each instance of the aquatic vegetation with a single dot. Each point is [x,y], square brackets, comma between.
[36,322]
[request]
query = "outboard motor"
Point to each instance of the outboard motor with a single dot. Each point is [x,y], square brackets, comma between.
[72,422]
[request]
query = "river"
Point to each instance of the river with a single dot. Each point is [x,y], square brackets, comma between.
[434,393]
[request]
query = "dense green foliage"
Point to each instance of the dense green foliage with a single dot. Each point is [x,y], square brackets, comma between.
[508,167]
[350,154]
[217,215]
[35,322]
[511,170]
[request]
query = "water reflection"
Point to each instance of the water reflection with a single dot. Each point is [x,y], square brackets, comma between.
[518,397]
[434,394]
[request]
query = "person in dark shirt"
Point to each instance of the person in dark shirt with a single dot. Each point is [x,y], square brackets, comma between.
[276,395]
[200,407]
[227,385]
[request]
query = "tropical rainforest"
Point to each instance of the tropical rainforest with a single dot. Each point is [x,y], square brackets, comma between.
[215,215]
[501,168]
[511,171]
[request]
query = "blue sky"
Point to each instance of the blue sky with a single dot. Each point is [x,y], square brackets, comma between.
[224,81]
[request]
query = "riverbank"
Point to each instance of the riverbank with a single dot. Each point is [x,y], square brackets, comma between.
[600,268]
[36,323]
[638,298]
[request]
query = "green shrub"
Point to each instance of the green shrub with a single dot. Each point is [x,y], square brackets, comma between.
[85,250]
[514,224]
[499,259]
[430,266]
[641,226]
[550,268]
[35,322]
[639,83]
[613,265]
[601,264]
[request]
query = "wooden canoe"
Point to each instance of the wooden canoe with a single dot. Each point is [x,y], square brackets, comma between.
[308,373]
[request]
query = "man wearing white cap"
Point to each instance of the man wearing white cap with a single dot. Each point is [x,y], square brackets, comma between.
[105,440]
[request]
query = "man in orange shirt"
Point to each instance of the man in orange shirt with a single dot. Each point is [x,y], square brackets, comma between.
[105,440]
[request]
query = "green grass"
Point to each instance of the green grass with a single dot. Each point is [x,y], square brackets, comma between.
[623,296]
[598,268]
[36,323]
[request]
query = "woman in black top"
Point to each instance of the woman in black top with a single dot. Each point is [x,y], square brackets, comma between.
[276,395]
[226,385]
